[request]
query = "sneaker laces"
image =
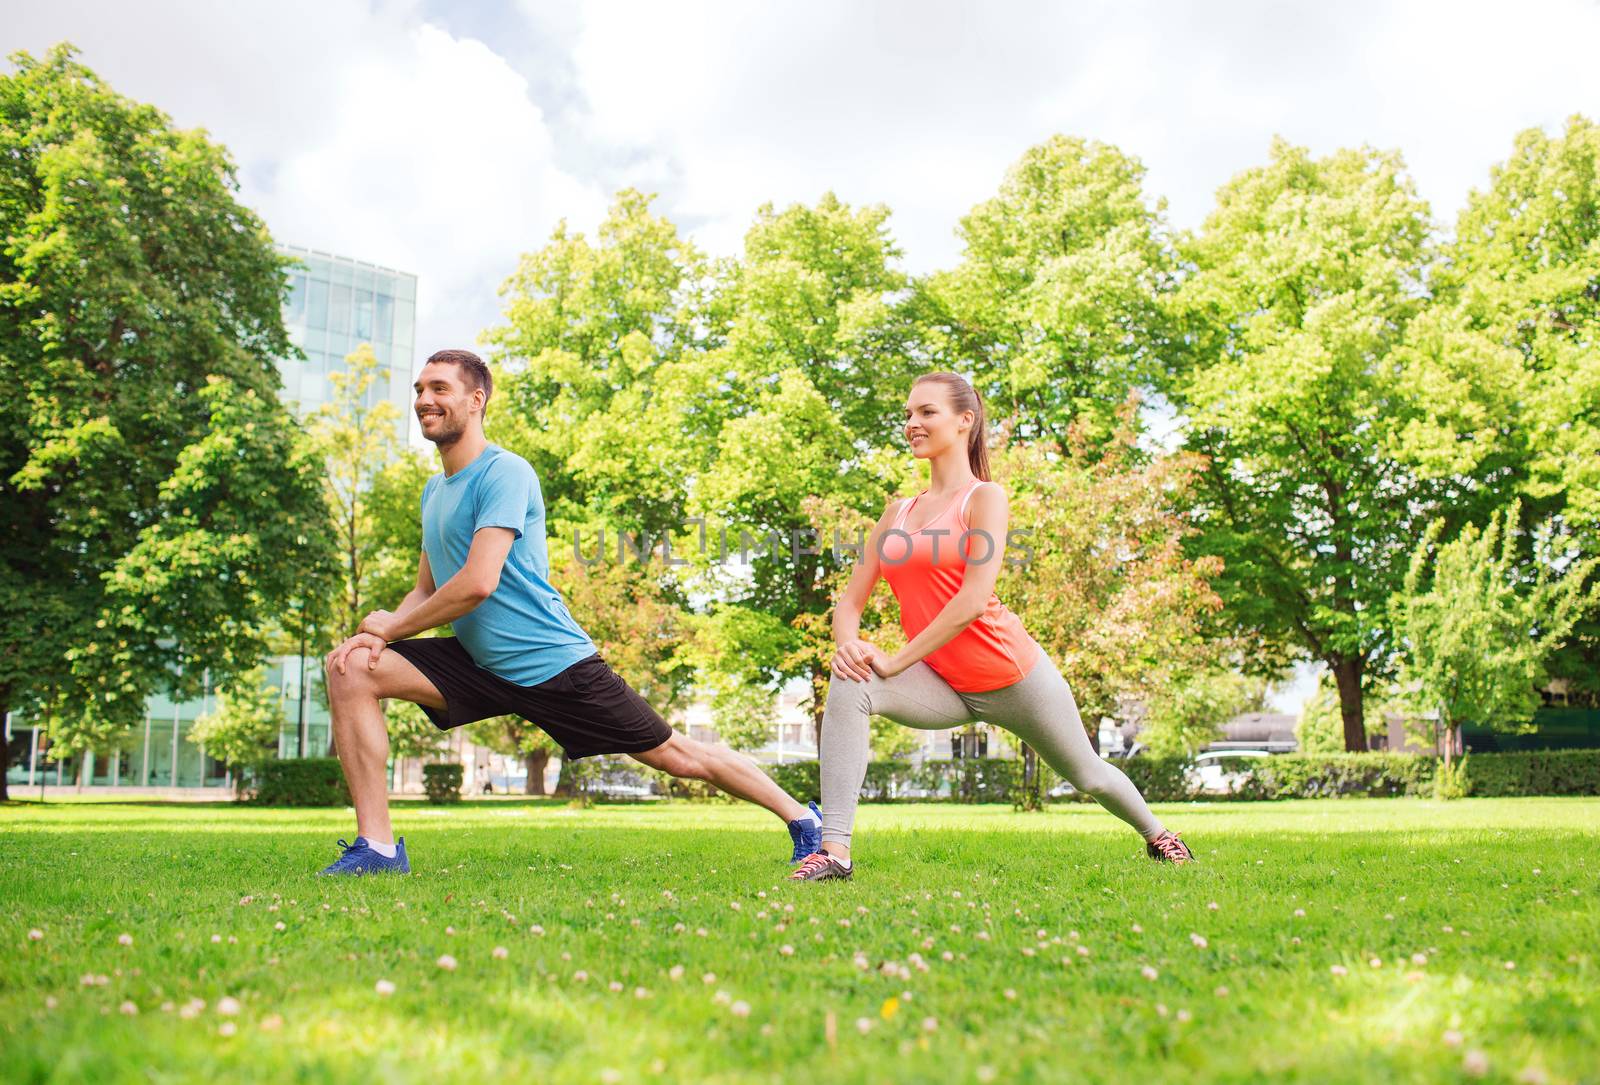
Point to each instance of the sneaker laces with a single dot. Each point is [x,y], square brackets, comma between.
[1171,847]
[345,848]
[812,863]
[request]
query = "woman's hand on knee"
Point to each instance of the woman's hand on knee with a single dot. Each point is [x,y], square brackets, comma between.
[854,660]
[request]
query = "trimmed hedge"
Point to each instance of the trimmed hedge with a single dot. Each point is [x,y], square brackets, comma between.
[1286,776]
[442,782]
[1319,776]
[1533,772]
[301,781]
[801,779]
[1159,779]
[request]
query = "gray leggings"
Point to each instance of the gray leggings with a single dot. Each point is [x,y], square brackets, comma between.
[1040,710]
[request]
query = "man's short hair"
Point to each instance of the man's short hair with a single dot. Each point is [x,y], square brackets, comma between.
[473,371]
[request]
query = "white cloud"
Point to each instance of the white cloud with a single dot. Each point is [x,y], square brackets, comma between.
[447,140]
[923,105]
[359,128]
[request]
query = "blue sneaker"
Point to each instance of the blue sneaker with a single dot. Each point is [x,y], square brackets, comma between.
[359,858]
[806,834]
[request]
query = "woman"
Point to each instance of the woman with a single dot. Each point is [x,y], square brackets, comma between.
[968,657]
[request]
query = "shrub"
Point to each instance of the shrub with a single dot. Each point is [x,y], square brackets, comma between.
[1159,779]
[302,781]
[1314,776]
[970,779]
[1450,780]
[442,782]
[1532,772]
[801,779]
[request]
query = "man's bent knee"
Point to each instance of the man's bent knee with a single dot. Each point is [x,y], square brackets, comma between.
[355,679]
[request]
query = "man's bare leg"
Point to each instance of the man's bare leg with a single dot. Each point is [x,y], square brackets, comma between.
[362,736]
[689,759]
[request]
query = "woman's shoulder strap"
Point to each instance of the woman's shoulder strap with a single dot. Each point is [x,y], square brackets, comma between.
[961,513]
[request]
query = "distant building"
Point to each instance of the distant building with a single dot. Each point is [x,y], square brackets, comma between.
[336,304]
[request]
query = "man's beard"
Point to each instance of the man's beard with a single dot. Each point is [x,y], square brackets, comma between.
[446,435]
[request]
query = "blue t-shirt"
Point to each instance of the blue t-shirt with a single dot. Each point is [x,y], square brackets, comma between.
[523,631]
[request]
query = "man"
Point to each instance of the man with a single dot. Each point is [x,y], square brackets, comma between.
[516,649]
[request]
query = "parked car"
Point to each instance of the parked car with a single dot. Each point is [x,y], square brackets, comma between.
[1210,773]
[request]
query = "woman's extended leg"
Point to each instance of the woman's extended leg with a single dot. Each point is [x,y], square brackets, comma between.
[1042,712]
[916,697]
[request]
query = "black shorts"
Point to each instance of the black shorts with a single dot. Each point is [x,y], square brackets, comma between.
[587,708]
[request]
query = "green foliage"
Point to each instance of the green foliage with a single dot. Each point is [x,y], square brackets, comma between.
[1057,298]
[304,781]
[359,442]
[1533,772]
[394,526]
[594,334]
[1189,713]
[801,779]
[1139,624]
[1159,779]
[1293,776]
[1304,280]
[411,732]
[155,488]
[242,731]
[442,782]
[1320,728]
[1478,624]
[1450,780]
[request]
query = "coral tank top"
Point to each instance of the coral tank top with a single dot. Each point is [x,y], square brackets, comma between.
[925,569]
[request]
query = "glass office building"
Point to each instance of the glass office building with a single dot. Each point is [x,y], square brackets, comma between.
[335,304]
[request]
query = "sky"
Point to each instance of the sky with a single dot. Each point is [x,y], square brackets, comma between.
[445,139]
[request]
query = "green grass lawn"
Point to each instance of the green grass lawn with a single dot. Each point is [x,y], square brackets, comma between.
[1354,940]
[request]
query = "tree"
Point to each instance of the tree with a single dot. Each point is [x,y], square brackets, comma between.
[1107,588]
[358,440]
[1057,301]
[516,737]
[154,487]
[592,344]
[1300,291]
[1478,623]
[411,732]
[1189,713]
[1520,296]
[1320,728]
[242,731]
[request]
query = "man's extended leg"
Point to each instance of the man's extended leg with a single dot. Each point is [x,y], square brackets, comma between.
[362,737]
[688,759]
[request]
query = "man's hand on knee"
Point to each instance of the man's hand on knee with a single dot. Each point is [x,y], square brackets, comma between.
[339,658]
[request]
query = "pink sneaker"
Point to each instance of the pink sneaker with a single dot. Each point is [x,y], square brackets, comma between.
[1167,848]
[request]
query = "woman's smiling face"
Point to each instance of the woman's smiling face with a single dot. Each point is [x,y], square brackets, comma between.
[931,424]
